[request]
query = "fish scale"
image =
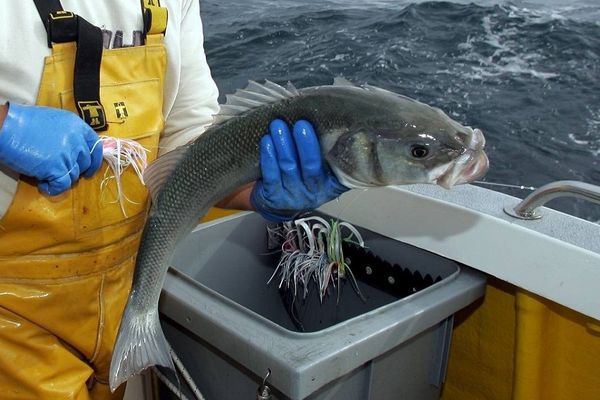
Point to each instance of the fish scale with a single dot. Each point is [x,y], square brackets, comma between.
[191,179]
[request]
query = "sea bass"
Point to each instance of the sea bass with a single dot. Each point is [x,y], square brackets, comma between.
[369,137]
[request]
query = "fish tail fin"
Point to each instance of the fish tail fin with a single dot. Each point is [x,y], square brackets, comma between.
[140,344]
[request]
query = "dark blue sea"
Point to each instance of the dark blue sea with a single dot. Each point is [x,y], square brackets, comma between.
[526,73]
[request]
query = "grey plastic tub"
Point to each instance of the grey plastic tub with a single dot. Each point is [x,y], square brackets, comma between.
[229,327]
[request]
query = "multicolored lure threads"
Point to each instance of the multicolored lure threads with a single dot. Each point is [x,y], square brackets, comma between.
[311,250]
[121,154]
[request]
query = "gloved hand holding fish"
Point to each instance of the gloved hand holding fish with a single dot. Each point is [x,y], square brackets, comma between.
[367,136]
[293,175]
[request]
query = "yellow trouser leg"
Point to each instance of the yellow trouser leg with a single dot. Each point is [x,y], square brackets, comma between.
[61,327]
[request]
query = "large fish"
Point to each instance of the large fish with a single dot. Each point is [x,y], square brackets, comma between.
[369,137]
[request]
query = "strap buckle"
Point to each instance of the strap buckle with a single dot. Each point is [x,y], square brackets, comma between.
[62,27]
[155,17]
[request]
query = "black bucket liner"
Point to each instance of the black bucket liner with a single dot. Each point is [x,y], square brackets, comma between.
[379,282]
[391,278]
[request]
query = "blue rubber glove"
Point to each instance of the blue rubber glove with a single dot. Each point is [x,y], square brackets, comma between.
[52,145]
[294,177]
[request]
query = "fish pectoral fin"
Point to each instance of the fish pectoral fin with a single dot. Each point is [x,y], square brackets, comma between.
[159,171]
[140,344]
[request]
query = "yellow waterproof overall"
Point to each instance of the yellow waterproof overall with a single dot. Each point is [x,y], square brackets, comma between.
[66,262]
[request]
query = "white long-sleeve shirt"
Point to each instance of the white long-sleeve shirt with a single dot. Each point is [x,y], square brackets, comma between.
[190,94]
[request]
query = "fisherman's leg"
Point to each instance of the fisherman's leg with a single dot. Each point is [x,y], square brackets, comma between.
[57,333]
[115,291]
[35,364]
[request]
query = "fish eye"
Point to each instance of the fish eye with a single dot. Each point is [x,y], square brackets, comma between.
[419,151]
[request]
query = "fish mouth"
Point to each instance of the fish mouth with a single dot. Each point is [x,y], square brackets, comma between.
[470,166]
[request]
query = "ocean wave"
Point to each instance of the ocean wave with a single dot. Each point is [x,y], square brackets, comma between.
[590,138]
[500,49]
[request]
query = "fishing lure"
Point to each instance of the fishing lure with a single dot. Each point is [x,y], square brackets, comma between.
[311,251]
[121,154]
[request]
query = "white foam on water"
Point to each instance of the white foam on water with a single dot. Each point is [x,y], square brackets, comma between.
[340,57]
[589,139]
[510,56]
[578,141]
[594,122]
[594,131]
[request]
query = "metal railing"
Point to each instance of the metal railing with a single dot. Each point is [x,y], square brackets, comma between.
[527,208]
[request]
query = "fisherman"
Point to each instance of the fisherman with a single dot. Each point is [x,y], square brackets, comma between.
[67,249]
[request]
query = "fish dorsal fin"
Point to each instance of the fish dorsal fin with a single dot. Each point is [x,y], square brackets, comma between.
[341,81]
[253,96]
[389,92]
[159,171]
[292,89]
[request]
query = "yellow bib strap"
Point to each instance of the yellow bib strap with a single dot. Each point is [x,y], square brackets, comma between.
[155,17]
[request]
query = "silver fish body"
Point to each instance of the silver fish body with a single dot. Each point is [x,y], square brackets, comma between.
[368,136]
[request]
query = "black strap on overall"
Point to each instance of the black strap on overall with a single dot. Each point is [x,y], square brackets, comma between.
[64,26]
